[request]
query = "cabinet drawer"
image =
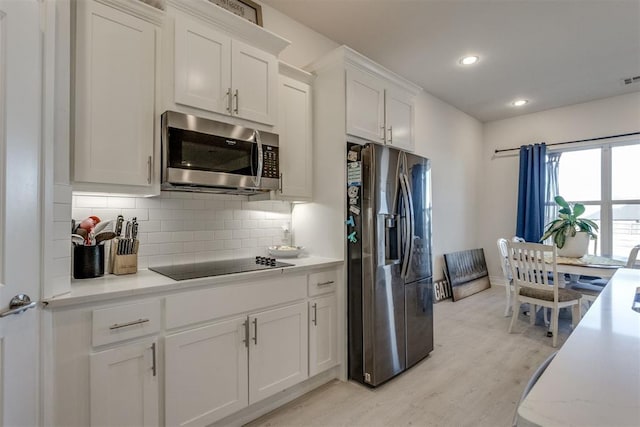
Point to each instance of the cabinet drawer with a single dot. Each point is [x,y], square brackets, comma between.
[322,282]
[125,322]
[200,306]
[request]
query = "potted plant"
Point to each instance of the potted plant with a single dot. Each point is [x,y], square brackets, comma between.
[570,233]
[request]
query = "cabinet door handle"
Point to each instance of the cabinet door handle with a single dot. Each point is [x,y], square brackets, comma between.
[124,325]
[237,101]
[280,189]
[255,331]
[245,324]
[383,129]
[149,170]
[229,100]
[391,134]
[153,359]
[315,314]
[328,282]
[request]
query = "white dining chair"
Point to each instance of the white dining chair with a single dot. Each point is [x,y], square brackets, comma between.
[532,284]
[632,261]
[503,251]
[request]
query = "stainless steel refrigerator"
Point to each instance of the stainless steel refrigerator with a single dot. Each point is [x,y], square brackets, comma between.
[390,290]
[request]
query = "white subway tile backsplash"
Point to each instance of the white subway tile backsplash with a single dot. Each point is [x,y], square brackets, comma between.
[91,201]
[180,227]
[232,244]
[148,203]
[121,202]
[61,212]
[161,237]
[194,204]
[233,224]
[139,214]
[223,235]
[172,225]
[203,235]
[182,236]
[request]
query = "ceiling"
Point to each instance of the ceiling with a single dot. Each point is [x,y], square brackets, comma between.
[553,53]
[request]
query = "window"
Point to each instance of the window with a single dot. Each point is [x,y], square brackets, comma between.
[604,179]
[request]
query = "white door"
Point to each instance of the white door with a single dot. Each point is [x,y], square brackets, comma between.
[20,208]
[255,83]
[323,334]
[295,130]
[278,350]
[399,119]
[124,385]
[365,106]
[202,66]
[206,373]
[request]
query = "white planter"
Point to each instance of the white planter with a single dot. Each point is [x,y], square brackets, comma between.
[575,247]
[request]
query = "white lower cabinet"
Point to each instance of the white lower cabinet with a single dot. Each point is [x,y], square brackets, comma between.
[323,334]
[206,373]
[124,385]
[216,370]
[277,351]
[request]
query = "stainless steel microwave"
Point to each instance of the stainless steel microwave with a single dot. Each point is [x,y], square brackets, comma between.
[206,155]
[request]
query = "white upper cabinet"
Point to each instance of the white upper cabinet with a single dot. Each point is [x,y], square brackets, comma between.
[202,66]
[218,73]
[254,82]
[295,129]
[115,83]
[365,105]
[379,104]
[399,114]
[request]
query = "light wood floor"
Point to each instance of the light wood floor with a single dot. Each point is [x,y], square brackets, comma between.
[474,376]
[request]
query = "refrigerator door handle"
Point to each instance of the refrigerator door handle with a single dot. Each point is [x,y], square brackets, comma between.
[412,223]
[407,227]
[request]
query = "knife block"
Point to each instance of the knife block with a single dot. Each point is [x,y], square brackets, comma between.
[123,264]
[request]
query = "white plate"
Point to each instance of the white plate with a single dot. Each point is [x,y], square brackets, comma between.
[285,251]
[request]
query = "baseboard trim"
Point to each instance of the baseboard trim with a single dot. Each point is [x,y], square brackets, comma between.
[269,404]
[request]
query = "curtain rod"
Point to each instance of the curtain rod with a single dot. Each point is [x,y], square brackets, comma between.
[573,142]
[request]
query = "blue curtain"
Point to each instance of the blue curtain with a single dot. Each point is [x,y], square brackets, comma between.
[531,192]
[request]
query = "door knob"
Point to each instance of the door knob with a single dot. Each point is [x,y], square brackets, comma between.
[18,304]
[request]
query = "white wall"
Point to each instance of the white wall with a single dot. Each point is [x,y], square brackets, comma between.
[453,142]
[499,184]
[306,45]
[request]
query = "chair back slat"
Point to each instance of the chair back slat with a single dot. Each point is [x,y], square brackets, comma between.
[533,265]
[633,257]
[504,259]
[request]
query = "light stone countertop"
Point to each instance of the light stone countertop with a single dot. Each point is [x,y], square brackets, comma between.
[147,282]
[594,380]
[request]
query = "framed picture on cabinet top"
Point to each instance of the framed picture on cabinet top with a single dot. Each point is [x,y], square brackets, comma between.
[246,9]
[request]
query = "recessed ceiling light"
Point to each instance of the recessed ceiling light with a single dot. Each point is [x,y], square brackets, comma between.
[519,102]
[469,60]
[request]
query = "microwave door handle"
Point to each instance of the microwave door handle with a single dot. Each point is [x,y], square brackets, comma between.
[258,177]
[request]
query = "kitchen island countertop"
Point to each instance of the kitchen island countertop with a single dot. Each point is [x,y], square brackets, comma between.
[146,282]
[594,380]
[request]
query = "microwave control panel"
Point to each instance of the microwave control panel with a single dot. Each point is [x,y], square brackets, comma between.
[270,162]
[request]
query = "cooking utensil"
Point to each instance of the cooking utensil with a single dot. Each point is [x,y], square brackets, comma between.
[77,239]
[103,226]
[82,232]
[103,236]
[119,222]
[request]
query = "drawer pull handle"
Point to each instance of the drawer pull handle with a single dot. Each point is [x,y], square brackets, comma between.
[315,314]
[124,325]
[255,331]
[325,283]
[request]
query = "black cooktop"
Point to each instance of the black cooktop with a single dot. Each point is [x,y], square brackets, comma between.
[218,268]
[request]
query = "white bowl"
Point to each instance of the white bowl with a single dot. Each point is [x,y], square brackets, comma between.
[285,251]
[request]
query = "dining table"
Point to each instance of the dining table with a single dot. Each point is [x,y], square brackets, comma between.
[588,265]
